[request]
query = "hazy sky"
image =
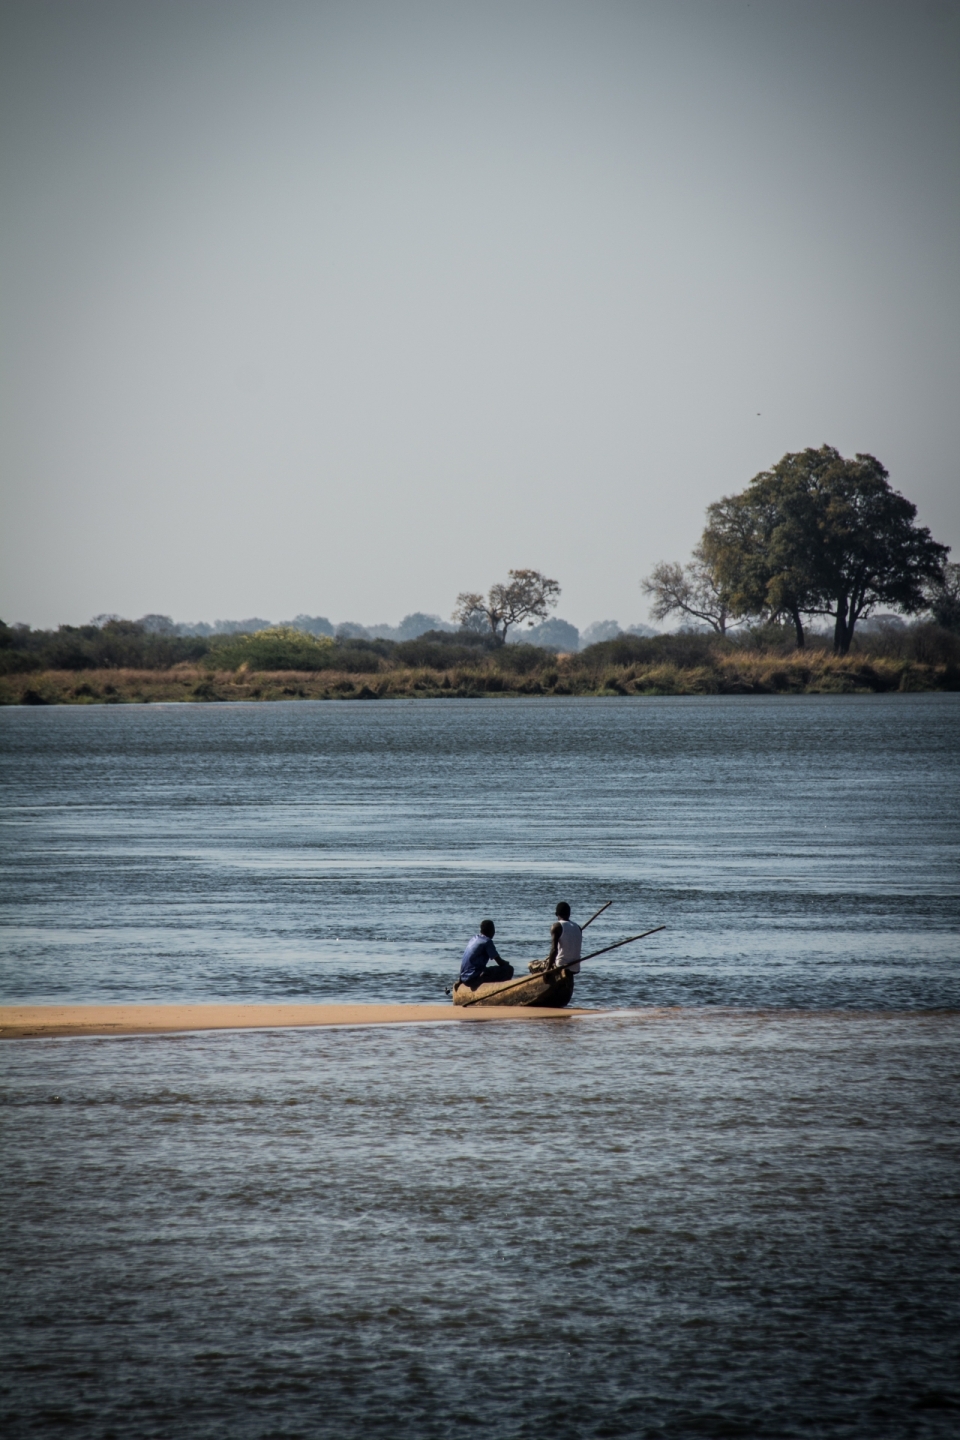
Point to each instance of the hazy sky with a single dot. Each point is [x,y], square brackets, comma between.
[343,308]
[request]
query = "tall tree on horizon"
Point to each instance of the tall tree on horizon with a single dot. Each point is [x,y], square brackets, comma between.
[527,595]
[819,534]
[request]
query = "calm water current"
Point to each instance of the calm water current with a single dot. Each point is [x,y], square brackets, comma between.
[728,1209]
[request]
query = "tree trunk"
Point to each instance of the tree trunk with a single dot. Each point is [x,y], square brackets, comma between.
[853,615]
[841,630]
[798,625]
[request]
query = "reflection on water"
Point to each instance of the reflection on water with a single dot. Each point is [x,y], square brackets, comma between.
[737,1219]
[701,1223]
[802,851]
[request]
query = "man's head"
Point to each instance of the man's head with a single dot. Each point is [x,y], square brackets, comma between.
[488,928]
[562,911]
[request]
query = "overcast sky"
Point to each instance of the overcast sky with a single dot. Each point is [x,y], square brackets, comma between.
[343,308]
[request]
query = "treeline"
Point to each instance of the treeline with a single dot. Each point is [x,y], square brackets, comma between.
[148,644]
[817,537]
[112,645]
[409,628]
[887,655]
[130,645]
[125,645]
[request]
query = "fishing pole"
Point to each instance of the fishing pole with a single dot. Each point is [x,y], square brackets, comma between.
[594,917]
[557,969]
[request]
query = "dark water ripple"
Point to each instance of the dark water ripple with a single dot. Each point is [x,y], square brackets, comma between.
[733,1220]
[700,1223]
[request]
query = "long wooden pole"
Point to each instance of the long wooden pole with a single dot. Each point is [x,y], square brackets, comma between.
[525,979]
[593,955]
[594,917]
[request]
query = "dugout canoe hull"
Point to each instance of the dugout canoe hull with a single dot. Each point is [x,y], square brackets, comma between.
[552,990]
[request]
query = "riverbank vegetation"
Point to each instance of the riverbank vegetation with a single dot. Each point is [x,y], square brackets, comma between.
[818,537]
[764,661]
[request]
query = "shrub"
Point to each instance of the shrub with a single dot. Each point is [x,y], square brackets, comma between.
[281,647]
[442,649]
[934,645]
[686,649]
[19,662]
[773,636]
[522,659]
[358,657]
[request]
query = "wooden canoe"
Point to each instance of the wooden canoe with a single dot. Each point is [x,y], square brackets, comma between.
[547,990]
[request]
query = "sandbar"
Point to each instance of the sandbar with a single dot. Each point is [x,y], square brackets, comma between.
[35,1022]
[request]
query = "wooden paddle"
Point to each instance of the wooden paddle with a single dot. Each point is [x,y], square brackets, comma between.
[558,969]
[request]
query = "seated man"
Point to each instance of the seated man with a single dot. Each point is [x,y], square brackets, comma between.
[475,966]
[566,944]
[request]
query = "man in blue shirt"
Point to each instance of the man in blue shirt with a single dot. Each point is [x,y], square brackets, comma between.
[476,967]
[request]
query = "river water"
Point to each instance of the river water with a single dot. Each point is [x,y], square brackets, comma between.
[729,1208]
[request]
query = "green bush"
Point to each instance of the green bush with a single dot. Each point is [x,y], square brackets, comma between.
[278,648]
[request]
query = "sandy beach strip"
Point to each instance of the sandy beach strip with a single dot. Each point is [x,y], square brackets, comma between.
[34,1022]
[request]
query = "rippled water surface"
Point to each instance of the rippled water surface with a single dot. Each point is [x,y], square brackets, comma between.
[801,851]
[735,1216]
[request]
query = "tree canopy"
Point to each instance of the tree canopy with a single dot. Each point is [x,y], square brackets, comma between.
[527,595]
[817,534]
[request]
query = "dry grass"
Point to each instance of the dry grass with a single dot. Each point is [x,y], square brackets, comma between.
[741,673]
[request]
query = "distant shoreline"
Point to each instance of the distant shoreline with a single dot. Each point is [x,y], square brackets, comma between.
[738,673]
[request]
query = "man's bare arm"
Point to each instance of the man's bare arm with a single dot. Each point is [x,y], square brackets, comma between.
[555,932]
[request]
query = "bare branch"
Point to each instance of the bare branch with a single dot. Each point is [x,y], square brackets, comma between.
[687,590]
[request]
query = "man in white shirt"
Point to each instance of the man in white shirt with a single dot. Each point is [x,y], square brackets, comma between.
[566,944]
